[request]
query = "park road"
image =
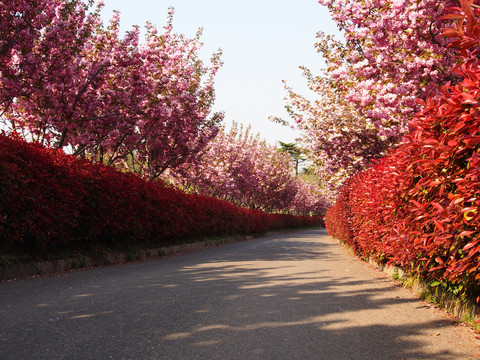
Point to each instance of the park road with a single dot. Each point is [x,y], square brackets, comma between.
[291,296]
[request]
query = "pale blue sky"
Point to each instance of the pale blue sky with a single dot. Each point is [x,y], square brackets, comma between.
[263,43]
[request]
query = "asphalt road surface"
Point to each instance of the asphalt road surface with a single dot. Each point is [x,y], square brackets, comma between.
[289,296]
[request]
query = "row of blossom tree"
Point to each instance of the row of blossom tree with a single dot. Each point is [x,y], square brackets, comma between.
[239,167]
[393,53]
[69,81]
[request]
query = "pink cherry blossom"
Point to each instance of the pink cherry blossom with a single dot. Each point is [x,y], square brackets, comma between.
[244,170]
[392,53]
[76,83]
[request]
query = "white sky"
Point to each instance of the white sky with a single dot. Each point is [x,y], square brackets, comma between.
[263,43]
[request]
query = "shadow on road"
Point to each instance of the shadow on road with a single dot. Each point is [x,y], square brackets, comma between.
[288,296]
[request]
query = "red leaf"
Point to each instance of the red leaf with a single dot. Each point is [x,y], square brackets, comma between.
[439,225]
[467,9]
[466,233]
[438,206]
[417,204]
[469,246]
[458,126]
[452,16]
[431,141]
[449,32]
[474,140]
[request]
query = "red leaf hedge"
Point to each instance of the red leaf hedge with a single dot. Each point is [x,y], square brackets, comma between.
[51,202]
[419,206]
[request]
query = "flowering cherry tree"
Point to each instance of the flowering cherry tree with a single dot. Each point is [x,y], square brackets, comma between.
[340,141]
[392,54]
[242,169]
[76,83]
[310,199]
[21,22]
[174,124]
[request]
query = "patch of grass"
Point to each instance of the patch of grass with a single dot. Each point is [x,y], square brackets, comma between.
[79,263]
[7,261]
[395,275]
[133,254]
[472,321]
[463,309]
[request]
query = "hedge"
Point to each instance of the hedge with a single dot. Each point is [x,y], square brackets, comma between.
[51,202]
[419,206]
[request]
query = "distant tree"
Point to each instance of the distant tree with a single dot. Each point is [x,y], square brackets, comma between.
[242,169]
[295,152]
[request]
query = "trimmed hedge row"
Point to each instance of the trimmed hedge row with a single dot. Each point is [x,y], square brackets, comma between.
[51,202]
[419,207]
